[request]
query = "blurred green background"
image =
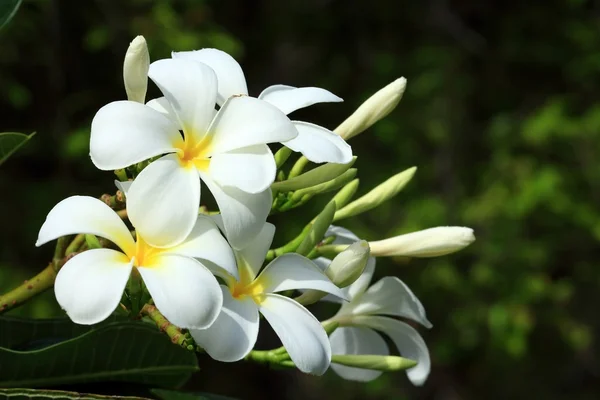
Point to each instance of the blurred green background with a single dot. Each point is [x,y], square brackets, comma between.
[501,115]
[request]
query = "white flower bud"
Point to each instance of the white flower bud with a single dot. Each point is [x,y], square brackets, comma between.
[375,108]
[431,242]
[347,266]
[135,70]
[375,362]
[378,195]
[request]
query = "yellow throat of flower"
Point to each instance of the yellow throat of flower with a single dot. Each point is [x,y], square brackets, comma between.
[195,153]
[144,253]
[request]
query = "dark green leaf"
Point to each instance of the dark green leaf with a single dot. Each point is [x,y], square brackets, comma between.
[120,351]
[8,9]
[175,395]
[24,394]
[11,141]
[29,334]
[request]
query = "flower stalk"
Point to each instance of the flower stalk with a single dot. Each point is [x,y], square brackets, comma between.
[174,333]
[28,289]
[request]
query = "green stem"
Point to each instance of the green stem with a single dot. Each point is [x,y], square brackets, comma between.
[267,357]
[30,288]
[59,250]
[290,246]
[75,244]
[173,332]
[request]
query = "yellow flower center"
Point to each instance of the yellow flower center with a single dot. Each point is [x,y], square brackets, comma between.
[255,289]
[144,253]
[195,154]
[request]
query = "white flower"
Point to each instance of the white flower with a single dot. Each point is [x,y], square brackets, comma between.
[314,142]
[364,314]
[234,333]
[90,285]
[227,149]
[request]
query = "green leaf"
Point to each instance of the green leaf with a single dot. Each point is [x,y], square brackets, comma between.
[8,9]
[11,141]
[23,394]
[29,334]
[119,351]
[175,395]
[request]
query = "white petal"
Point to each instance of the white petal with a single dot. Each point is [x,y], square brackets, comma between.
[191,89]
[84,214]
[388,296]
[342,235]
[300,332]
[163,106]
[293,271]
[246,121]
[252,256]
[123,186]
[163,202]
[126,132]
[233,334]
[251,169]
[408,341]
[319,145]
[184,290]
[357,340]
[289,98]
[90,285]
[229,73]
[206,243]
[244,214]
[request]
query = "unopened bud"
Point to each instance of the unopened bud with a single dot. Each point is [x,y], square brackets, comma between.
[313,177]
[375,362]
[135,70]
[375,108]
[377,196]
[92,242]
[431,242]
[347,266]
[346,193]
[317,230]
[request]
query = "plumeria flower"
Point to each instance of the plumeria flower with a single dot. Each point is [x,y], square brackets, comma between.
[234,333]
[90,285]
[226,149]
[314,142]
[367,313]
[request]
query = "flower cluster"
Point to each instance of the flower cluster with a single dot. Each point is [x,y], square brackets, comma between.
[203,270]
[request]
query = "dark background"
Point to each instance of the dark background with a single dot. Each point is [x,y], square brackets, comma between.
[501,116]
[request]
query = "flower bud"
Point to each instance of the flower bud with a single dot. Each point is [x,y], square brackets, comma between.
[375,108]
[324,187]
[347,266]
[346,193]
[378,195]
[317,230]
[313,177]
[135,70]
[379,363]
[431,242]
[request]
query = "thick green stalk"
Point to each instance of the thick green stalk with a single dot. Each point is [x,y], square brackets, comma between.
[173,332]
[30,288]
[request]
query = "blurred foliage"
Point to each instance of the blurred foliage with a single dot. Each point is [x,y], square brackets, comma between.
[501,115]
